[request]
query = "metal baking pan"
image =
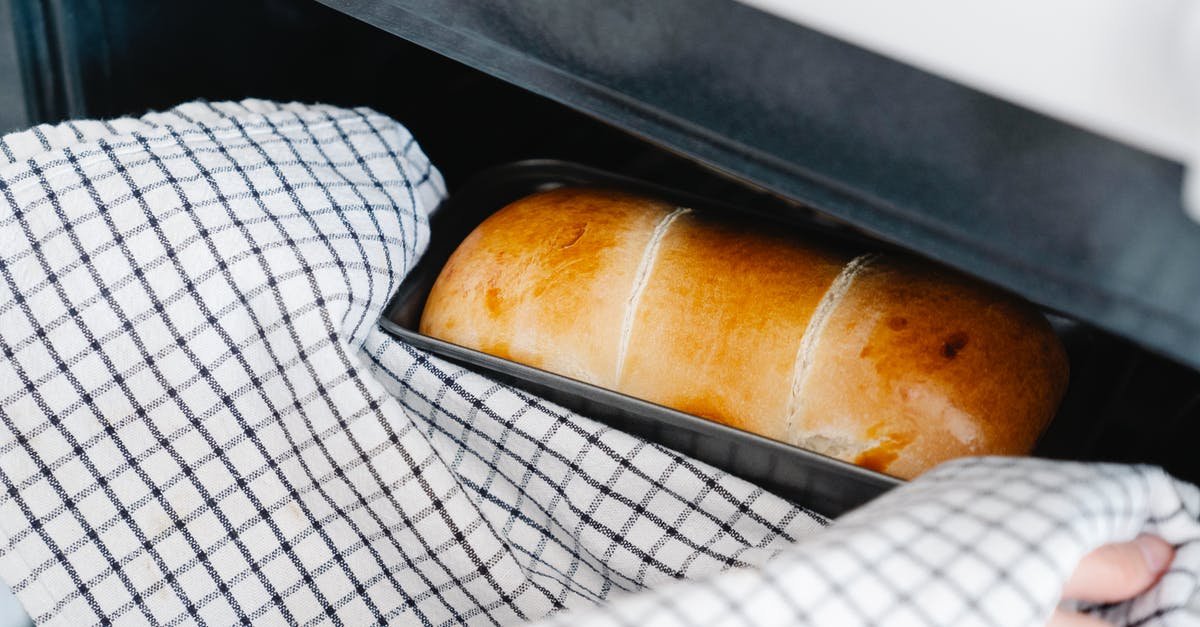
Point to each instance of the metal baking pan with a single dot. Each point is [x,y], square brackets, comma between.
[821,483]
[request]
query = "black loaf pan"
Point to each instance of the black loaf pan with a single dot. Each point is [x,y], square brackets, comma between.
[822,484]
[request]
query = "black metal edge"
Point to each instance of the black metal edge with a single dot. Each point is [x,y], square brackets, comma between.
[62,50]
[1076,161]
[39,77]
[825,485]
[16,107]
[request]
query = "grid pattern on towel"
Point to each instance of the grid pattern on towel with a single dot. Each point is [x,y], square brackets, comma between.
[200,421]
[980,541]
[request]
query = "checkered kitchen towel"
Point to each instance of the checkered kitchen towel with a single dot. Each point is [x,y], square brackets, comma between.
[200,421]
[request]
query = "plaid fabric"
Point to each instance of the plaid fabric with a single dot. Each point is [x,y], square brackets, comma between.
[202,422]
[981,541]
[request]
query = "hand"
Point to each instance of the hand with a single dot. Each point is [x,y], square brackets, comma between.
[1113,572]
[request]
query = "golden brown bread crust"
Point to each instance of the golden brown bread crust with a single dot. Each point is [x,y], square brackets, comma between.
[918,365]
[726,307]
[879,360]
[544,281]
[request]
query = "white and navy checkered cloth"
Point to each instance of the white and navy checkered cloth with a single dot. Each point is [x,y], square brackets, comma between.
[202,422]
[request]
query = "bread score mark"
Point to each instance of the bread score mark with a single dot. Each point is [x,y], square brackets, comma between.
[828,304]
[645,266]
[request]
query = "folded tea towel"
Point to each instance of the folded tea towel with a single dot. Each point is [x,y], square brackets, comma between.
[201,421]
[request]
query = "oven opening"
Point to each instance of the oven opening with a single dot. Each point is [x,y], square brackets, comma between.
[1124,403]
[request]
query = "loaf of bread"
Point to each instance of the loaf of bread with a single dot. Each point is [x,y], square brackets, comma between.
[875,359]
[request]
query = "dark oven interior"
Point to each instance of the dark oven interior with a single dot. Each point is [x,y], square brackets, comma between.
[1125,403]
